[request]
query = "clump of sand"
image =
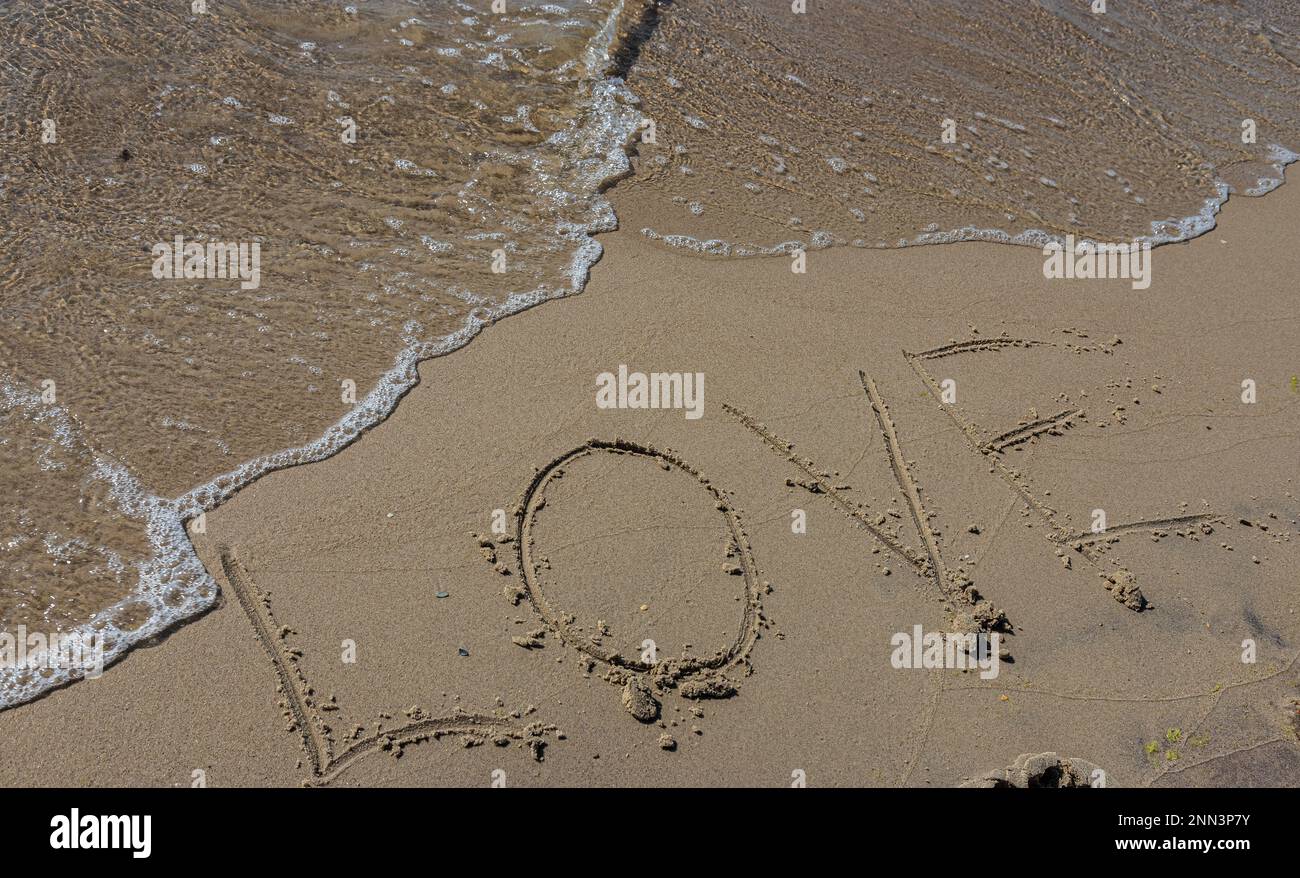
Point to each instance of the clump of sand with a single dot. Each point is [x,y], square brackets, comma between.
[640,701]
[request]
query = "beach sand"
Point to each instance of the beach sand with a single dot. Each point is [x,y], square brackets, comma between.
[354,550]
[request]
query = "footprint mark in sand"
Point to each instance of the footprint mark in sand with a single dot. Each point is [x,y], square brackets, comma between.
[304,712]
[691,676]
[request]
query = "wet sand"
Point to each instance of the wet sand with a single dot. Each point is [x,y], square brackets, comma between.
[961,120]
[382,177]
[693,548]
[232,242]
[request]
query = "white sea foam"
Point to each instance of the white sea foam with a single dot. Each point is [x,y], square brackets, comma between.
[1280,157]
[1165,231]
[173,582]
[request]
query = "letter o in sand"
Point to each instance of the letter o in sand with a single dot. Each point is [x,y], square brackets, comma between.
[693,676]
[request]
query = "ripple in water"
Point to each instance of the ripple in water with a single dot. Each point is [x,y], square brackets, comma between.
[776,130]
[384,158]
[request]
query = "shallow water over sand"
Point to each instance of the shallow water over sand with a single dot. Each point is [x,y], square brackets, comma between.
[828,126]
[407,171]
[401,171]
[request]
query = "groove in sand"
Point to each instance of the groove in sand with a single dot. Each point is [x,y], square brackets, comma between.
[1024,433]
[314,733]
[907,484]
[1087,538]
[533,500]
[1083,544]
[909,555]
[956,591]
[976,344]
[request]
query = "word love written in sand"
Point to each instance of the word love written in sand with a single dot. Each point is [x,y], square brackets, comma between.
[657,390]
